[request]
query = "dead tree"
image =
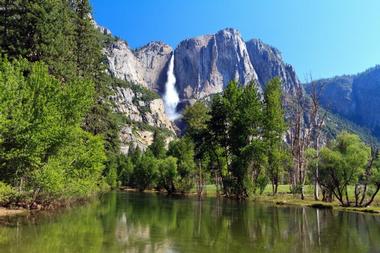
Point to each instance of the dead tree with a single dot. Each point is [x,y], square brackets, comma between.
[317,120]
[299,140]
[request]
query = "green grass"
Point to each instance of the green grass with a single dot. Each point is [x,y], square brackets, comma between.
[284,197]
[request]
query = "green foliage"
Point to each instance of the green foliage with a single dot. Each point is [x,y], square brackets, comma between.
[37,112]
[183,151]
[76,170]
[167,174]
[274,129]
[42,146]
[236,135]
[343,163]
[125,170]
[40,31]
[196,118]
[145,171]
[7,193]
[158,146]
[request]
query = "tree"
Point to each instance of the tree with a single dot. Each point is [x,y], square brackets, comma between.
[274,129]
[222,106]
[317,120]
[343,163]
[40,31]
[125,170]
[246,143]
[183,150]
[236,139]
[40,136]
[168,174]
[299,141]
[145,171]
[158,148]
[197,118]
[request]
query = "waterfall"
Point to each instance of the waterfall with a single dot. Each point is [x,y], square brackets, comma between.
[171,98]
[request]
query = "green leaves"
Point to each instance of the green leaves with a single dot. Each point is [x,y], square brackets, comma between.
[274,129]
[343,163]
[40,138]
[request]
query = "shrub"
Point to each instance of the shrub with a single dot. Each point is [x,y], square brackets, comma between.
[7,193]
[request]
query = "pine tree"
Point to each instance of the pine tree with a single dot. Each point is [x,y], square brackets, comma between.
[40,31]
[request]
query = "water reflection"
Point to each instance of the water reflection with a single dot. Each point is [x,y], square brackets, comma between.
[131,222]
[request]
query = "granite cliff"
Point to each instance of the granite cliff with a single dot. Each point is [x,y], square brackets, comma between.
[203,65]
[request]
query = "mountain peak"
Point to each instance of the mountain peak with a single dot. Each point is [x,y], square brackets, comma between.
[156,47]
[229,31]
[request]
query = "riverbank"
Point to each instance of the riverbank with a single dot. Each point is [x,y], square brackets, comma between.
[12,212]
[23,207]
[285,198]
[291,200]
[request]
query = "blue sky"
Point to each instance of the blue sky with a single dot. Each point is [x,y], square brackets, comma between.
[319,37]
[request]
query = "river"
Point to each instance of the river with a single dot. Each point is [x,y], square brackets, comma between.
[137,222]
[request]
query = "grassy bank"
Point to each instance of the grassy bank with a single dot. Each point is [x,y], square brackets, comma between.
[284,197]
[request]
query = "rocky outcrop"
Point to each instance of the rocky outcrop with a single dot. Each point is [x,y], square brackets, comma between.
[356,98]
[143,66]
[268,63]
[142,117]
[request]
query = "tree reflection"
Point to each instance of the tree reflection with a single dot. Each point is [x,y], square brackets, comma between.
[132,222]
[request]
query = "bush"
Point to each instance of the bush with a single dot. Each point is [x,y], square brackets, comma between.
[7,193]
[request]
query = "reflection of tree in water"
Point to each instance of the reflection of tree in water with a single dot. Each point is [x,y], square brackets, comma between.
[150,223]
[222,225]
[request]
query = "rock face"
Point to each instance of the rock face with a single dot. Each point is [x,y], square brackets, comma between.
[203,65]
[143,117]
[268,63]
[143,66]
[356,98]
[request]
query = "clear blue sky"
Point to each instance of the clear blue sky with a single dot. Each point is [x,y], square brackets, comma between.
[319,37]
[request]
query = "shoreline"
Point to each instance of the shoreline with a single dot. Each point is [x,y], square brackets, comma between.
[279,200]
[23,208]
[6,212]
[292,201]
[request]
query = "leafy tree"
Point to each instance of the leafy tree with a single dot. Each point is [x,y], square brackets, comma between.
[76,169]
[158,148]
[236,137]
[125,170]
[145,171]
[246,137]
[274,129]
[341,164]
[42,146]
[167,174]
[183,150]
[196,118]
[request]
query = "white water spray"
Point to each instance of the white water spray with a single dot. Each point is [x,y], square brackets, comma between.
[171,98]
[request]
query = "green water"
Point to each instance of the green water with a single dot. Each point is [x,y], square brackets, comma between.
[131,222]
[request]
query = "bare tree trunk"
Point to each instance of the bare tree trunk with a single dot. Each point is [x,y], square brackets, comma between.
[200,181]
[316,125]
[373,196]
